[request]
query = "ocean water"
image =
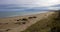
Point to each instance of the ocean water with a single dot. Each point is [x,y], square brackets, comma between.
[17,13]
[17,10]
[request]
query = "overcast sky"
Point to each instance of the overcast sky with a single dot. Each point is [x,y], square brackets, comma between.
[35,2]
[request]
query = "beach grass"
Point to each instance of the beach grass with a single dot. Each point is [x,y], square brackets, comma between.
[49,24]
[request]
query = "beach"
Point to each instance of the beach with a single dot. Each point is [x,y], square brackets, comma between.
[20,23]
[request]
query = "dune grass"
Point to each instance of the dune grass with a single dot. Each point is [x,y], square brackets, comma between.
[46,25]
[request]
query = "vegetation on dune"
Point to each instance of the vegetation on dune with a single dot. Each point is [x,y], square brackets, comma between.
[32,17]
[49,24]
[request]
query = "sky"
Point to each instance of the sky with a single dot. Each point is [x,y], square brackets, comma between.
[31,2]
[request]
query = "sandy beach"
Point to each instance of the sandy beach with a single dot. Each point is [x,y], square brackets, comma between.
[20,23]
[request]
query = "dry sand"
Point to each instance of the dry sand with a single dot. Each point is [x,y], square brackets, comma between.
[16,24]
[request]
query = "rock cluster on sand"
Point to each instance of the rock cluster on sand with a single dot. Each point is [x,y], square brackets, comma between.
[21,23]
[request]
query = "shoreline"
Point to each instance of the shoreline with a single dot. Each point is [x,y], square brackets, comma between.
[34,13]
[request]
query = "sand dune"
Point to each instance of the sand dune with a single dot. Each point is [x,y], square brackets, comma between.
[20,23]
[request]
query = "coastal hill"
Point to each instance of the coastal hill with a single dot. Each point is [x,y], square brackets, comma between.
[43,22]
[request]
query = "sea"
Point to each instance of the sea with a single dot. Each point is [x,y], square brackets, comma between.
[18,10]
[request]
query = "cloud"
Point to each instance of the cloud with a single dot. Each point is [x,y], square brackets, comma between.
[37,3]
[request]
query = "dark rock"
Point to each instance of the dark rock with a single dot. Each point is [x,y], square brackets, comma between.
[18,20]
[24,19]
[30,17]
[8,29]
[34,17]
